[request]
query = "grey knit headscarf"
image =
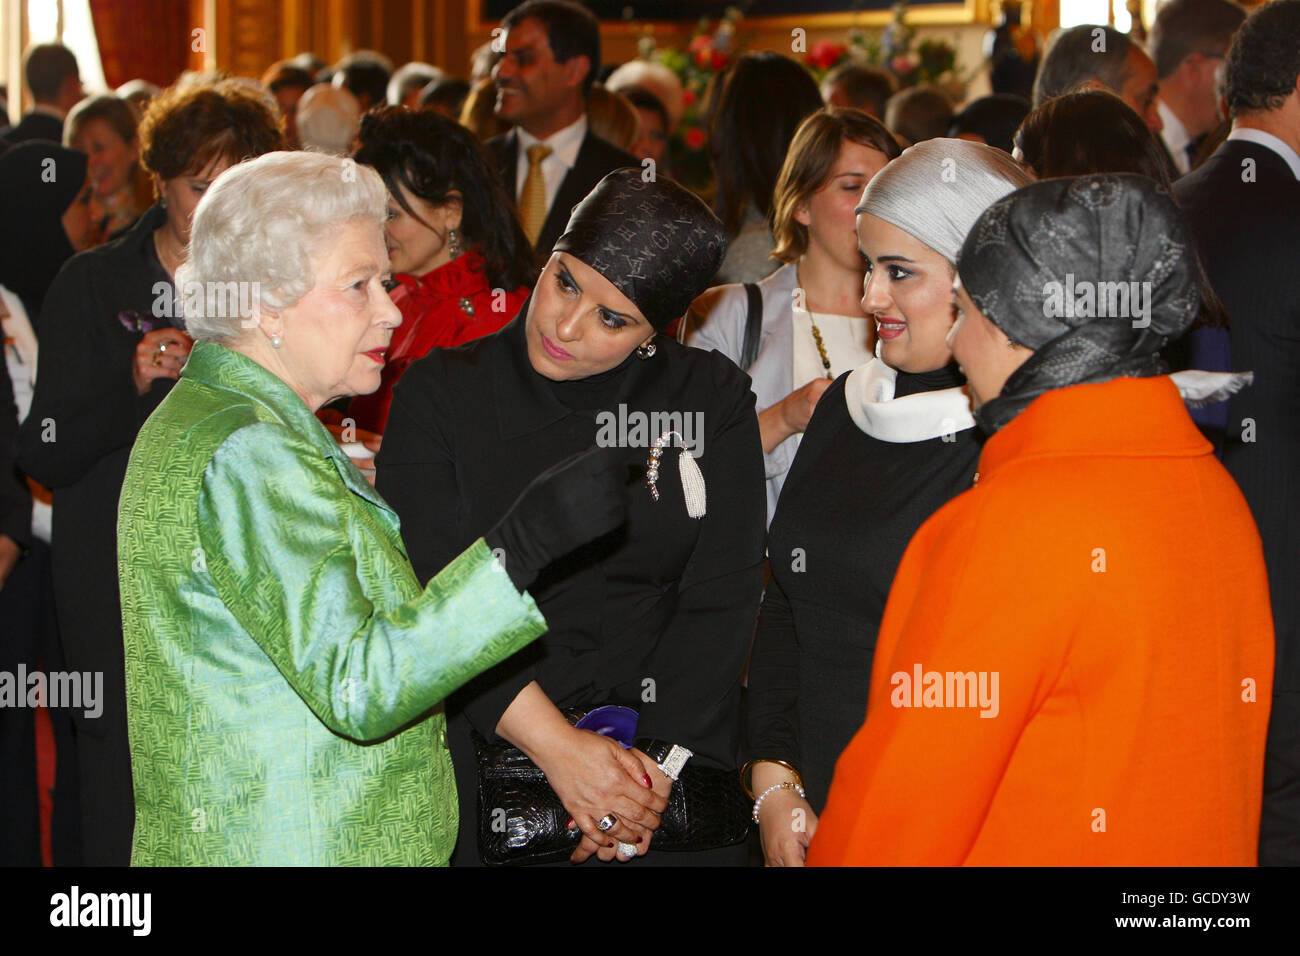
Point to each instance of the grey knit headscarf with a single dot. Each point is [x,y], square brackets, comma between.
[936,190]
[1095,273]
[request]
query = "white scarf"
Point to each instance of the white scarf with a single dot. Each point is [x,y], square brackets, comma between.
[869,393]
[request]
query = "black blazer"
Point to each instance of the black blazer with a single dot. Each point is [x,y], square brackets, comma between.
[33,126]
[657,615]
[833,552]
[596,159]
[1244,207]
[15,502]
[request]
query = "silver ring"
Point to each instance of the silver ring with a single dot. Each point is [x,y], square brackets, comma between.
[162,348]
[626,849]
[607,822]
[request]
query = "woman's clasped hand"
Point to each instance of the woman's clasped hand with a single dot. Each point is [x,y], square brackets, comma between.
[599,782]
[162,353]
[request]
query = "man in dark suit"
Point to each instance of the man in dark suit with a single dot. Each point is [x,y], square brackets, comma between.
[1244,207]
[1189,39]
[55,82]
[550,160]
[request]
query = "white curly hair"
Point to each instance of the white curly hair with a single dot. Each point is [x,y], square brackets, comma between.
[256,230]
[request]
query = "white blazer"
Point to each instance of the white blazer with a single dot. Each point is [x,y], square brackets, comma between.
[716,320]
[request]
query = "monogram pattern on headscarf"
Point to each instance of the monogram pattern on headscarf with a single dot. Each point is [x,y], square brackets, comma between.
[1113,232]
[992,228]
[655,241]
[1094,193]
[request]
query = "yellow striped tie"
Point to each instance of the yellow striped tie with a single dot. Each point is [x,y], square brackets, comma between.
[532,201]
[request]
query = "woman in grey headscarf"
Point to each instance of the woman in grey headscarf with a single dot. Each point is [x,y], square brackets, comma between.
[888,444]
[1057,596]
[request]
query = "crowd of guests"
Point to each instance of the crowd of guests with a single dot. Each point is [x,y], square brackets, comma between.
[888,560]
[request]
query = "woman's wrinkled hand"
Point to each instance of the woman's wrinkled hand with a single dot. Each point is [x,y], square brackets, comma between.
[162,353]
[786,824]
[594,776]
[354,441]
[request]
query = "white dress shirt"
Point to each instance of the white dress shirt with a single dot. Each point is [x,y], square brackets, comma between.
[1269,141]
[564,153]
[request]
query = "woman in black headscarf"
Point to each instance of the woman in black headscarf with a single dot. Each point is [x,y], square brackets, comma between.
[656,617]
[1062,596]
[45,204]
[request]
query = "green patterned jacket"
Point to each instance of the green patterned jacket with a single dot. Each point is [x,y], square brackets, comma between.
[283,666]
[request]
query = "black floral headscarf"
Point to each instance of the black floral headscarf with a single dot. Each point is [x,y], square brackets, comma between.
[1094,273]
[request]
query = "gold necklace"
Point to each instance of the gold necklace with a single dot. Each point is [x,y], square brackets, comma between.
[817,335]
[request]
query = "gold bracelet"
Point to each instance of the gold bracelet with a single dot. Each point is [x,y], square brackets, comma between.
[746,773]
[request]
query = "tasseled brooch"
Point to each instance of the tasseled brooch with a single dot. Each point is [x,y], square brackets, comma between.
[692,479]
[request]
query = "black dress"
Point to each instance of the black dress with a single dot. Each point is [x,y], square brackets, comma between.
[657,615]
[75,441]
[849,507]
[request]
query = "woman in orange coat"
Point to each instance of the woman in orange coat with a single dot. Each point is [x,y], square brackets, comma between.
[1057,681]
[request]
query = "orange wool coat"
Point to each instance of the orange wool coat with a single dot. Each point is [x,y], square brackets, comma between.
[1105,583]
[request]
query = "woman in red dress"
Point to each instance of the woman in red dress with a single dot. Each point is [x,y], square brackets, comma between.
[461,261]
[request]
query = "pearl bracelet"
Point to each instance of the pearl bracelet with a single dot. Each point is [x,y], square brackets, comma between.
[783,785]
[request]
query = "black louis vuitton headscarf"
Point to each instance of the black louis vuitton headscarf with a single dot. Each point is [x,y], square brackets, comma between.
[1094,273]
[658,243]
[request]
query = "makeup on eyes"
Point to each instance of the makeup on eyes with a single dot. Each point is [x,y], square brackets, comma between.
[610,319]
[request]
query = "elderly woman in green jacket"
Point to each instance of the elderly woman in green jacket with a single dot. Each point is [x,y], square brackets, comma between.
[284,668]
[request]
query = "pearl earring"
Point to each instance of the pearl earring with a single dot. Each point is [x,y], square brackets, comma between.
[276,341]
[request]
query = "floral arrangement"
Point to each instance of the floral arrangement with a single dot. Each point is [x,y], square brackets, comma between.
[895,50]
[711,50]
[714,45]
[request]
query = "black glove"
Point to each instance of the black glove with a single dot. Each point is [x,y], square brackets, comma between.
[576,501]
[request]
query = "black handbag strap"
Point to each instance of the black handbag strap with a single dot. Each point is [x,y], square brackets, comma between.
[753,326]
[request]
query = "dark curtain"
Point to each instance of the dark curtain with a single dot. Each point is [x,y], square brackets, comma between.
[145,39]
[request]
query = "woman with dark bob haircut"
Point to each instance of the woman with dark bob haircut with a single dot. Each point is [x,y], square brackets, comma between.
[1092,131]
[112,347]
[760,104]
[462,261]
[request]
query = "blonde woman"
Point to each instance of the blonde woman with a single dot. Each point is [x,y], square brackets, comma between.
[810,323]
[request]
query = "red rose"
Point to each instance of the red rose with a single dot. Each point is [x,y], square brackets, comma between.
[694,138]
[824,54]
[719,59]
